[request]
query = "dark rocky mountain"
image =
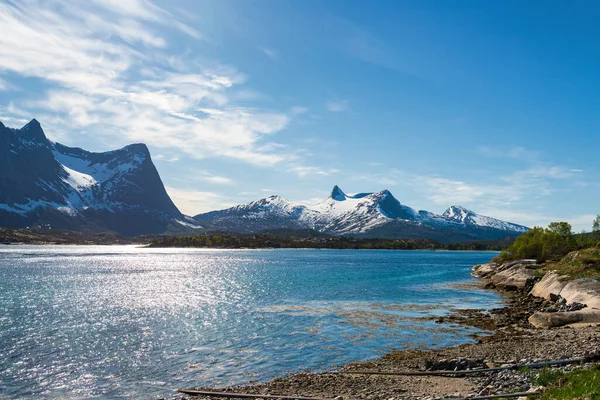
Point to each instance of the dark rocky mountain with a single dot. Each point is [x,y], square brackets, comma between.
[48,184]
[369,215]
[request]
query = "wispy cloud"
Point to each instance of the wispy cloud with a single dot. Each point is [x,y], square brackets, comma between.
[381,179]
[271,53]
[192,202]
[4,85]
[531,183]
[337,105]
[101,79]
[579,222]
[220,180]
[304,171]
[162,157]
[513,152]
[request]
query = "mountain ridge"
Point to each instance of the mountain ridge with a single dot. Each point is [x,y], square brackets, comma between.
[377,214]
[45,183]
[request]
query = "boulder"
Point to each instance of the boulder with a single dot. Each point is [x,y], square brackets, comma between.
[585,291]
[550,286]
[484,270]
[553,286]
[573,318]
[515,277]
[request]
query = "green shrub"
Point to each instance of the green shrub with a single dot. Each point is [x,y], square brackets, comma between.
[544,244]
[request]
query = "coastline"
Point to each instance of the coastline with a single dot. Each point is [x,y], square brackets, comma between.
[510,339]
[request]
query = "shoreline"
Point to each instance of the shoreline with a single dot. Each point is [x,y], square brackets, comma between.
[508,338]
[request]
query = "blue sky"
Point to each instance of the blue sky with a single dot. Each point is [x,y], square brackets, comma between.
[491,105]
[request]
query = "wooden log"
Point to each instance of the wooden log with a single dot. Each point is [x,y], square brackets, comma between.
[469,371]
[503,396]
[246,395]
[192,392]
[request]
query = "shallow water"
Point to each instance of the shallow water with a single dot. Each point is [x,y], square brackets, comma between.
[114,321]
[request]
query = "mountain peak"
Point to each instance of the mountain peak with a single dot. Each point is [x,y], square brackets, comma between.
[338,194]
[33,131]
[138,148]
[458,212]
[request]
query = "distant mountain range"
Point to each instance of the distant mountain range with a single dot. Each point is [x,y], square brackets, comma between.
[47,183]
[372,215]
[43,183]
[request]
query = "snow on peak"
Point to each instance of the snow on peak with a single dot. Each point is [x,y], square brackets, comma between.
[344,213]
[468,217]
[458,213]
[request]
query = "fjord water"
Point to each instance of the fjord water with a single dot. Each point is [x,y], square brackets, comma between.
[117,321]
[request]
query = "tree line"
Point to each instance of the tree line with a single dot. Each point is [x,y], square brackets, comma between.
[259,241]
[551,243]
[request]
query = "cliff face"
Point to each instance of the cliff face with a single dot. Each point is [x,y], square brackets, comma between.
[46,183]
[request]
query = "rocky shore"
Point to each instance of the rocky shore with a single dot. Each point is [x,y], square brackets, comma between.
[515,337]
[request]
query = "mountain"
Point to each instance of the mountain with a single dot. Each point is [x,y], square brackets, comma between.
[272,212]
[47,183]
[372,215]
[470,218]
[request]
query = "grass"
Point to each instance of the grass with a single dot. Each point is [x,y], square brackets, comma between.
[583,384]
[577,264]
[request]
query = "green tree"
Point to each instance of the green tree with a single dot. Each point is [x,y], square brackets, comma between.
[596,228]
[562,228]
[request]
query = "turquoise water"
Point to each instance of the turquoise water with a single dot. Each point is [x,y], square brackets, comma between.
[96,322]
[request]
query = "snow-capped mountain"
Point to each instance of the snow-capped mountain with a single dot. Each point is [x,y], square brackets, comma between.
[377,214]
[42,182]
[468,217]
[273,212]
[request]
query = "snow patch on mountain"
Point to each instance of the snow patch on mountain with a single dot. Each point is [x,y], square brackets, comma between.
[468,217]
[78,180]
[342,213]
[118,190]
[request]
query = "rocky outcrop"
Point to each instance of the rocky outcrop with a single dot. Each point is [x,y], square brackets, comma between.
[550,286]
[558,288]
[554,286]
[585,291]
[570,302]
[580,318]
[516,275]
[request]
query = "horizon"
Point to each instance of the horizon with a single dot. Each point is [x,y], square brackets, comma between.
[489,106]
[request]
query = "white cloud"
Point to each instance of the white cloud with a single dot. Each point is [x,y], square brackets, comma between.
[578,222]
[271,53]
[381,179]
[5,86]
[192,202]
[102,80]
[220,180]
[513,152]
[304,171]
[531,183]
[337,106]
[162,157]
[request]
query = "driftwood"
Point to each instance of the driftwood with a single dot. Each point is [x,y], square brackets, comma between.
[471,371]
[271,396]
[502,396]
[246,395]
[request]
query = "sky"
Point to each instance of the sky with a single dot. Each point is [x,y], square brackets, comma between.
[492,105]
